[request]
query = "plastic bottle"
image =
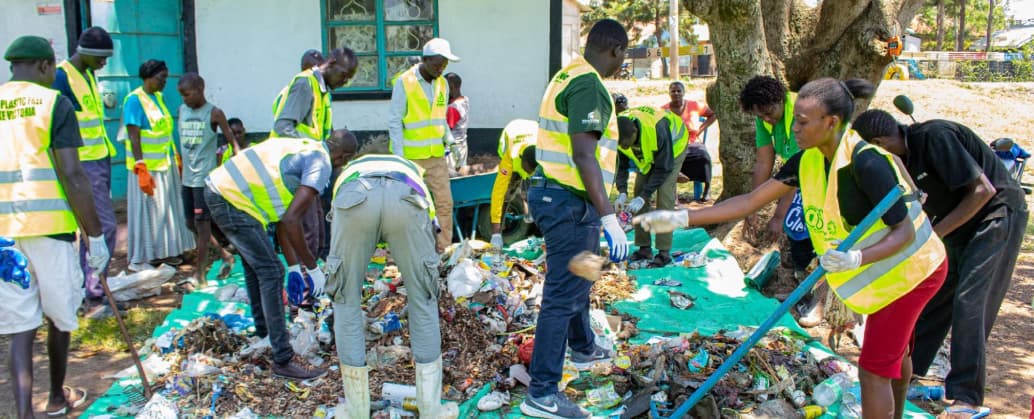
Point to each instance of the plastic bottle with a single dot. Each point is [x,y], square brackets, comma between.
[811,411]
[925,393]
[849,406]
[830,391]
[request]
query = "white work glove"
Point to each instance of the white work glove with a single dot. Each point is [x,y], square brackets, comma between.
[837,261]
[619,204]
[662,221]
[616,239]
[318,281]
[497,241]
[97,256]
[636,205]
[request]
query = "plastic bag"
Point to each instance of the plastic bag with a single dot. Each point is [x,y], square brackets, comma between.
[141,284]
[464,279]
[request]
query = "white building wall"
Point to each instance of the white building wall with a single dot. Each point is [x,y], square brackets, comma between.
[249,49]
[21,17]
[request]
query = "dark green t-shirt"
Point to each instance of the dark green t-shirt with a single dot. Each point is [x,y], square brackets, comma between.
[587,105]
[785,147]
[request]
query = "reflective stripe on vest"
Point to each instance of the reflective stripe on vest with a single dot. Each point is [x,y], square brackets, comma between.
[553,149]
[372,164]
[96,144]
[156,142]
[871,287]
[252,182]
[32,200]
[423,125]
[791,98]
[647,119]
[517,136]
[320,126]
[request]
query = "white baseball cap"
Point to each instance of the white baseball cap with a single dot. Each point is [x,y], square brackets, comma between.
[439,46]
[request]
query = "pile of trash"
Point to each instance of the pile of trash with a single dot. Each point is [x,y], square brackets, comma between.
[488,311]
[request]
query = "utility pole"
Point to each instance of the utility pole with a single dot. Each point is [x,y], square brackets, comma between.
[673,34]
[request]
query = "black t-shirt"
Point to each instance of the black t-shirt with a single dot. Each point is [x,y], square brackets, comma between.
[943,157]
[64,133]
[861,185]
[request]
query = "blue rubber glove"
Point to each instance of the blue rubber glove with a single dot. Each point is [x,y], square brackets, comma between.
[14,267]
[616,239]
[295,285]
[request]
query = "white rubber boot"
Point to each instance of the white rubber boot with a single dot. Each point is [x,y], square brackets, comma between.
[429,392]
[357,393]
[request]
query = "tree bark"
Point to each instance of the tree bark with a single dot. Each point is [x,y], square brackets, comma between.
[960,37]
[794,43]
[940,25]
[990,26]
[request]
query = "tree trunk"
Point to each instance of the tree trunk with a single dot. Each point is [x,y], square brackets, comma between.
[794,43]
[657,20]
[940,25]
[990,26]
[960,37]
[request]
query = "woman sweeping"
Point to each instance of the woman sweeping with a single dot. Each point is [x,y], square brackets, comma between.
[893,270]
[157,231]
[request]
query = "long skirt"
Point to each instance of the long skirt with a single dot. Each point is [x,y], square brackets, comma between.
[157,229]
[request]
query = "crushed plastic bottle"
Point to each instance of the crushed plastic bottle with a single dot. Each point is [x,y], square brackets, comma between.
[830,391]
[925,393]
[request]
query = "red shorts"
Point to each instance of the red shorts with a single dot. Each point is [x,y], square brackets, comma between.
[890,332]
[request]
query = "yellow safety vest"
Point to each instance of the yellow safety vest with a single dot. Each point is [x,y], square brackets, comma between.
[252,182]
[423,125]
[387,164]
[32,201]
[517,136]
[871,287]
[322,115]
[791,98]
[96,144]
[647,137]
[156,142]
[553,151]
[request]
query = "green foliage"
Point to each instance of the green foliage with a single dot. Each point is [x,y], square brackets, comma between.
[104,335]
[925,23]
[635,15]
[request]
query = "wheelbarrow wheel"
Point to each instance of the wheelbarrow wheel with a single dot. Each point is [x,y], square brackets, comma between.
[514,227]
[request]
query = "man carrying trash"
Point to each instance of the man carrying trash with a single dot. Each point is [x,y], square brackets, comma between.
[418,129]
[276,181]
[517,155]
[576,149]
[382,197]
[655,143]
[45,197]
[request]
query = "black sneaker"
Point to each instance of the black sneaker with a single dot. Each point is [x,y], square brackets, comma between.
[585,361]
[554,406]
[297,369]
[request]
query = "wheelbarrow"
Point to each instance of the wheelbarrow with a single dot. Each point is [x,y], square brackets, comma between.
[476,191]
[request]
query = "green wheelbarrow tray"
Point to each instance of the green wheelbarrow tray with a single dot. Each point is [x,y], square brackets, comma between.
[470,191]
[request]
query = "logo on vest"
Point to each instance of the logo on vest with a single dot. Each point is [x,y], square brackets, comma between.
[441,99]
[560,77]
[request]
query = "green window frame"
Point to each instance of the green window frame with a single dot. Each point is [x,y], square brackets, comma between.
[383,34]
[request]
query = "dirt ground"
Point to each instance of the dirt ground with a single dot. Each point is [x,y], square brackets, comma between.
[992,109]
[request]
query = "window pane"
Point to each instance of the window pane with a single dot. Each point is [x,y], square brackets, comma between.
[366,74]
[359,38]
[396,65]
[406,10]
[351,10]
[408,38]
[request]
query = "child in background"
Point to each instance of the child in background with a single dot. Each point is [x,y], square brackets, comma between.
[198,121]
[225,151]
[457,116]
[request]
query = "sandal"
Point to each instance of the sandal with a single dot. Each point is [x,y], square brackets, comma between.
[224,271]
[639,255]
[973,412]
[74,397]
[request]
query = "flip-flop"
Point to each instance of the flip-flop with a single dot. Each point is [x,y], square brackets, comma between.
[224,270]
[975,413]
[71,402]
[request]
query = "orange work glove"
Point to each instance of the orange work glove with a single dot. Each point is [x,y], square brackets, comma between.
[143,178]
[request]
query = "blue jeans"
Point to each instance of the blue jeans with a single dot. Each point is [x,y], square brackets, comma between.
[263,272]
[570,225]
